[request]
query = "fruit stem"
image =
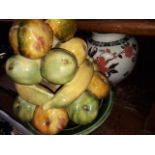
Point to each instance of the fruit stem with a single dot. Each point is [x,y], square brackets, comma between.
[85,107]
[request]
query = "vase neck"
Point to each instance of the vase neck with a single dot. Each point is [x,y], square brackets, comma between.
[107,37]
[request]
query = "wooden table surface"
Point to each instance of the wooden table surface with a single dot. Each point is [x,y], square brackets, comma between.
[133,27]
[145,27]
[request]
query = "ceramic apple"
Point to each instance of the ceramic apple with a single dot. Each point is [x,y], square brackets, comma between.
[13,36]
[50,121]
[99,85]
[31,38]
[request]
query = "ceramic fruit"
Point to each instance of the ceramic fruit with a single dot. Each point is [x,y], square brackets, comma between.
[78,47]
[13,36]
[115,54]
[84,109]
[58,66]
[64,29]
[23,109]
[53,87]
[50,121]
[31,38]
[34,94]
[71,90]
[23,70]
[99,85]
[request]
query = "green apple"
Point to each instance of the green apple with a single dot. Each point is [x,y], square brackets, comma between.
[84,109]
[58,66]
[23,110]
[23,70]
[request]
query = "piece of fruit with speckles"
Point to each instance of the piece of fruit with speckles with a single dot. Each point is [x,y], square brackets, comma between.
[23,70]
[23,110]
[13,36]
[99,85]
[50,121]
[84,109]
[77,47]
[31,38]
[63,29]
[59,66]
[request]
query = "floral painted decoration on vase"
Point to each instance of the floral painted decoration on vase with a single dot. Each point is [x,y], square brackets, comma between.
[115,59]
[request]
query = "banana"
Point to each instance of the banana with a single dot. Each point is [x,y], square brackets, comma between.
[34,94]
[71,90]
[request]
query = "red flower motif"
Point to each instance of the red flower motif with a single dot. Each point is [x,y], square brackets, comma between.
[128,51]
[108,50]
[101,62]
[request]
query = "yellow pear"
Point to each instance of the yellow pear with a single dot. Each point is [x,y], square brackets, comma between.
[77,47]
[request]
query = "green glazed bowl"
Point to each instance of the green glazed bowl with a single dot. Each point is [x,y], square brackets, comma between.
[72,129]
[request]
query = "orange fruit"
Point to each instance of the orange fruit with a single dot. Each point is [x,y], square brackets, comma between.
[99,85]
[50,121]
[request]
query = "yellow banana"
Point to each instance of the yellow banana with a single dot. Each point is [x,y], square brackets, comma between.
[34,94]
[71,90]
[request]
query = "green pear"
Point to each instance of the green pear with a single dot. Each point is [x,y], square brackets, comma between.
[59,66]
[23,110]
[23,70]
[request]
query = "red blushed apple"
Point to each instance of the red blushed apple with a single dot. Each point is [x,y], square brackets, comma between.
[50,121]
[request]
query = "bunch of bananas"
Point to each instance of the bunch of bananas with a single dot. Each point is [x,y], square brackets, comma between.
[53,74]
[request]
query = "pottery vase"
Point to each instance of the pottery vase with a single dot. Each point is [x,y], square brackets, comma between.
[115,54]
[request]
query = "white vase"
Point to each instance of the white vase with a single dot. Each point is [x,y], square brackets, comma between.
[115,54]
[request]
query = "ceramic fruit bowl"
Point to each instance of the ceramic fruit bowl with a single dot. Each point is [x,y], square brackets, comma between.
[73,129]
[82,97]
